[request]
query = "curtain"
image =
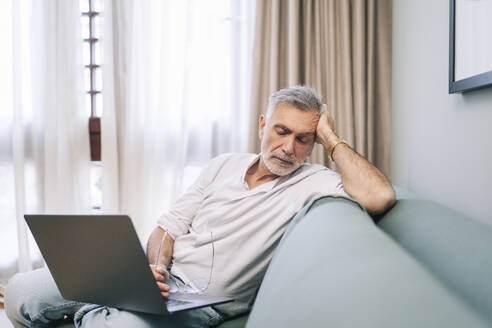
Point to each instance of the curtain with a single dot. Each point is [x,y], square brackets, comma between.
[176,89]
[342,49]
[44,154]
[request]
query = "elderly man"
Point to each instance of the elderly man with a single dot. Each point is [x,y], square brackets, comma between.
[229,222]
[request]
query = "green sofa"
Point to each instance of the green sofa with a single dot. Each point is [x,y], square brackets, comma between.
[421,265]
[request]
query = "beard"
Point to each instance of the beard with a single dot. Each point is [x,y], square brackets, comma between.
[286,165]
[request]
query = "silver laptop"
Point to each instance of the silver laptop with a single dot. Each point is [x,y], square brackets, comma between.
[99,259]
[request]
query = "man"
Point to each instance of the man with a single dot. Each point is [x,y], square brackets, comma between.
[221,234]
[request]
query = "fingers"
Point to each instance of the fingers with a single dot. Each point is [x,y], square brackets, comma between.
[160,273]
[325,129]
[157,275]
[326,118]
[325,113]
[323,121]
[163,272]
[164,289]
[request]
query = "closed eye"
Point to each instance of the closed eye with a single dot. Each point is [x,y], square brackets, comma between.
[282,132]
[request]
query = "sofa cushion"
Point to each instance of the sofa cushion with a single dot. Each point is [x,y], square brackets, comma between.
[402,193]
[335,268]
[454,247]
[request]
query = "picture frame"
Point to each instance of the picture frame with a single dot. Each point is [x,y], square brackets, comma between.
[470,47]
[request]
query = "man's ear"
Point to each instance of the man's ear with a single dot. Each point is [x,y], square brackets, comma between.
[261,126]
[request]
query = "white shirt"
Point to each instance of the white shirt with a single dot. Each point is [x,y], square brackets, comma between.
[246,224]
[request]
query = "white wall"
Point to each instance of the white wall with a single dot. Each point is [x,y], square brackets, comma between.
[442,143]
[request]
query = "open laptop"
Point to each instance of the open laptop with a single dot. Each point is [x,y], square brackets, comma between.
[99,259]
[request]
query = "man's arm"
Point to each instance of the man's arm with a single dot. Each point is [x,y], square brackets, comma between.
[177,221]
[159,254]
[361,180]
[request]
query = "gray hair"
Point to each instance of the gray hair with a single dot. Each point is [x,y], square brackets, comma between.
[300,96]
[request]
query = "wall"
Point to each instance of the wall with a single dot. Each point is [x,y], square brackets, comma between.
[442,143]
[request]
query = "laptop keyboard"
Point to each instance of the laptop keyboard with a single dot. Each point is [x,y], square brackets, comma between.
[175,302]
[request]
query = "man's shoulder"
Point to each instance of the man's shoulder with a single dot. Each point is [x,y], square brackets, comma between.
[313,166]
[313,171]
[321,169]
[234,156]
[232,161]
[316,180]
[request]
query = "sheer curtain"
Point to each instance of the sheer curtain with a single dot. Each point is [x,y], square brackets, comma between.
[44,153]
[176,89]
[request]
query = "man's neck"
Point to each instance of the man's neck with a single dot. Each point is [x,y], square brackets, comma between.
[258,174]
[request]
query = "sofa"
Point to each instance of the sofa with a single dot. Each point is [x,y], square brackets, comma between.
[420,265]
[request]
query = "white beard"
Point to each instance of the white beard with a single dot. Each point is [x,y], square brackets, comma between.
[278,169]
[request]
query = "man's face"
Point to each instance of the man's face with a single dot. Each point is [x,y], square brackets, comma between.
[287,138]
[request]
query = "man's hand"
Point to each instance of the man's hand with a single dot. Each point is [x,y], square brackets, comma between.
[325,134]
[160,252]
[161,275]
[361,180]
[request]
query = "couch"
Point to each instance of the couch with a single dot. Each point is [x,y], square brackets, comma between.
[420,265]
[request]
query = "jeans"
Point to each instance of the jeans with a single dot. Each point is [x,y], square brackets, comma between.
[33,300]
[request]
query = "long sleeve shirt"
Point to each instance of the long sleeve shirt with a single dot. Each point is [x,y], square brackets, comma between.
[226,231]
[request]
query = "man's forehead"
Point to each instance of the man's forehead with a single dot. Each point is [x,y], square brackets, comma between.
[295,119]
[295,129]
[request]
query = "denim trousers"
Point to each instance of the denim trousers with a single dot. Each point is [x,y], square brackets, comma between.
[33,300]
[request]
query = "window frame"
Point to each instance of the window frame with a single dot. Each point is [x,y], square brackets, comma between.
[93,92]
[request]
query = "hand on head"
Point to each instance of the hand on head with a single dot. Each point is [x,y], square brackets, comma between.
[325,130]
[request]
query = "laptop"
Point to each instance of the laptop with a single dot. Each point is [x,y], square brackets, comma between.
[99,259]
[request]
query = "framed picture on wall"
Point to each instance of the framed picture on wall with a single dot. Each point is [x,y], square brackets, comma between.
[470,45]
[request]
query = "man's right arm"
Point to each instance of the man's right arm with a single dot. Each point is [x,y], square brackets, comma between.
[178,221]
[159,253]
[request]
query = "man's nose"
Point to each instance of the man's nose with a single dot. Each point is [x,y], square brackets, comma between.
[288,146]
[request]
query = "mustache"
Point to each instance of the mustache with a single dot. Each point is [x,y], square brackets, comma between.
[284,157]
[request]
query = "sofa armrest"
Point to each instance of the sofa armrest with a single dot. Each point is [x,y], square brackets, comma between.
[454,247]
[335,268]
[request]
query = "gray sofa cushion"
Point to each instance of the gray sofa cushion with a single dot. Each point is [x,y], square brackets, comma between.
[454,247]
[337,269]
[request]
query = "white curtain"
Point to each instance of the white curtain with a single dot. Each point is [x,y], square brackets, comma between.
[44,154]
[176,93]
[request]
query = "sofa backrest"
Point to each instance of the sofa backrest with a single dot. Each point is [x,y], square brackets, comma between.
[335,268]
[454,247]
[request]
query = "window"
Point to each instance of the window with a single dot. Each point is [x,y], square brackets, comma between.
[91,27]
[91,33]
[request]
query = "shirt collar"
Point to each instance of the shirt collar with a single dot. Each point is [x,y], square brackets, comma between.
[250,163]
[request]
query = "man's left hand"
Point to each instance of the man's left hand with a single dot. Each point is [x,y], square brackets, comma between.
[325,134]
[361,180]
